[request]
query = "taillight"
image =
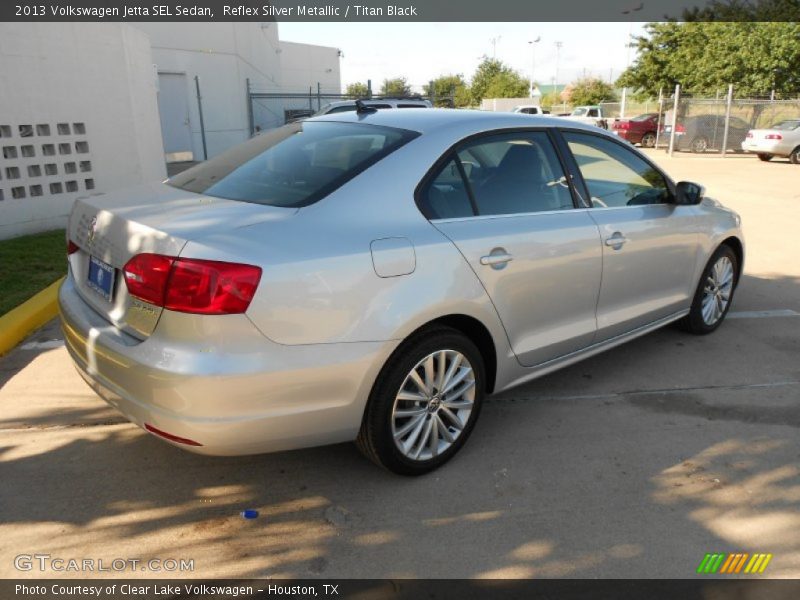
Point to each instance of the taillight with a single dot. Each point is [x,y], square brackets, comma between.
[773,136]
[146,276]
[192,285]
[680,129]
[72,247]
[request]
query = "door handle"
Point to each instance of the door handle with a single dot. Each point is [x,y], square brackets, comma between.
[497,260]
[616,241]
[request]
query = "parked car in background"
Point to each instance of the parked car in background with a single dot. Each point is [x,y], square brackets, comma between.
[589,115]
[372,276]
[638,130]
[350,105]
[782,139]
[530,109]
[701,133]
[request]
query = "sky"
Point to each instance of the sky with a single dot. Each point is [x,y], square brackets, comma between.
[423,51]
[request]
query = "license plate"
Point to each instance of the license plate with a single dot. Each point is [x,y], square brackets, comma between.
[101,277]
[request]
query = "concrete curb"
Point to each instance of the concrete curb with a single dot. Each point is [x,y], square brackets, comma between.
[16,324]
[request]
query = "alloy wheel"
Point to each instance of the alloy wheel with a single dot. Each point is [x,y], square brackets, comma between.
[648,140]
[717,291]
[699,145]
[433,405]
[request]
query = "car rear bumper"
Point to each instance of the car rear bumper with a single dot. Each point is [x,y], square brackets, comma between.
[234,391]
[777,148]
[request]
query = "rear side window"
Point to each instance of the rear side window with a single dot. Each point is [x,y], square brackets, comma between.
[503,174]
[294,165]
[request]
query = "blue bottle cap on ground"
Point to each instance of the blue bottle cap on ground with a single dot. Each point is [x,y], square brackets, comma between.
[250,513]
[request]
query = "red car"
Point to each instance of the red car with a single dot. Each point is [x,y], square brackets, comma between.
[639,130]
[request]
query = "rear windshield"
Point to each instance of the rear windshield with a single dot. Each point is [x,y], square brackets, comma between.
[295,165]
[787,125]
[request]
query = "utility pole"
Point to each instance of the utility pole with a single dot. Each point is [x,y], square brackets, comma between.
[533,60]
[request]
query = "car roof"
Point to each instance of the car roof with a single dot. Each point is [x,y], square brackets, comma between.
[427,121]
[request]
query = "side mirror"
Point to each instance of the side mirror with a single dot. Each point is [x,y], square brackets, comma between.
[688,193]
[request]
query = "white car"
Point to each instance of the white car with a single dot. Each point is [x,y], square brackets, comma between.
[530,109]
[782,139]
[350,105]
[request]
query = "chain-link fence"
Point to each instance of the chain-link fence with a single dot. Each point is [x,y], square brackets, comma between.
[268,110]
[697,124]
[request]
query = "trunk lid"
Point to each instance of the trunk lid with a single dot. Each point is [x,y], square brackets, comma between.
[153,218]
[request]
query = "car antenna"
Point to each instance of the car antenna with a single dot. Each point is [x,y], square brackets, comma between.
[363,109]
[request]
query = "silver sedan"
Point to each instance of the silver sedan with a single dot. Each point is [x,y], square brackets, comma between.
[373,276]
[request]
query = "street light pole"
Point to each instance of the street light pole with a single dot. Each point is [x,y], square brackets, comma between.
[558,59]
[494,41]
[533,60]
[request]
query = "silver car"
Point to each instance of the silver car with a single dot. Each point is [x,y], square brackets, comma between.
[782,139]
[373,276]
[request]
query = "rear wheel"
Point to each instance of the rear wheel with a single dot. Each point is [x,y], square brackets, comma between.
[699,145]
[714,293]
[794,157]
[765,157]
[649,140]
[424,404]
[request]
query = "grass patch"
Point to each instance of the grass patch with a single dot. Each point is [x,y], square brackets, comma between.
[28,264]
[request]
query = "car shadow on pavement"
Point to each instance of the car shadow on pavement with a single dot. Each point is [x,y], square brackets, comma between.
[634,463]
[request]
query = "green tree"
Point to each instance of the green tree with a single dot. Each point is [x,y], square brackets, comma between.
[396,87]
[358,89]
[588,90]
[445,86]
[705,57]
[495,79]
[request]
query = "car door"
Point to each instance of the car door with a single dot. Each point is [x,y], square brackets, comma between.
[504,201]
[650,244]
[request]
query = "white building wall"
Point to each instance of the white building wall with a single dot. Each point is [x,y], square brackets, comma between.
[223,56]
[98,75]
[305,65]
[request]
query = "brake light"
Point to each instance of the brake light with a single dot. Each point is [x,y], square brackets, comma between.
[680,129]
[622,125]
[146,276]
[192,285]
[773,136]
[72,247]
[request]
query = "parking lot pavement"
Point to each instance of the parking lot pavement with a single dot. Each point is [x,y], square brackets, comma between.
[634,463]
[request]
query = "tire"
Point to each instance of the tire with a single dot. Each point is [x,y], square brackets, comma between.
[701,320]
[765,157]
[649,140]
[699,145]
[381,426]
[794,157]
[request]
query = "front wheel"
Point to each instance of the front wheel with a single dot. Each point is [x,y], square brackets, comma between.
[714,293]
[424,404]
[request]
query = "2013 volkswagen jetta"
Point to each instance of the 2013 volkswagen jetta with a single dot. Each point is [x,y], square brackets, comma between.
[372,276]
